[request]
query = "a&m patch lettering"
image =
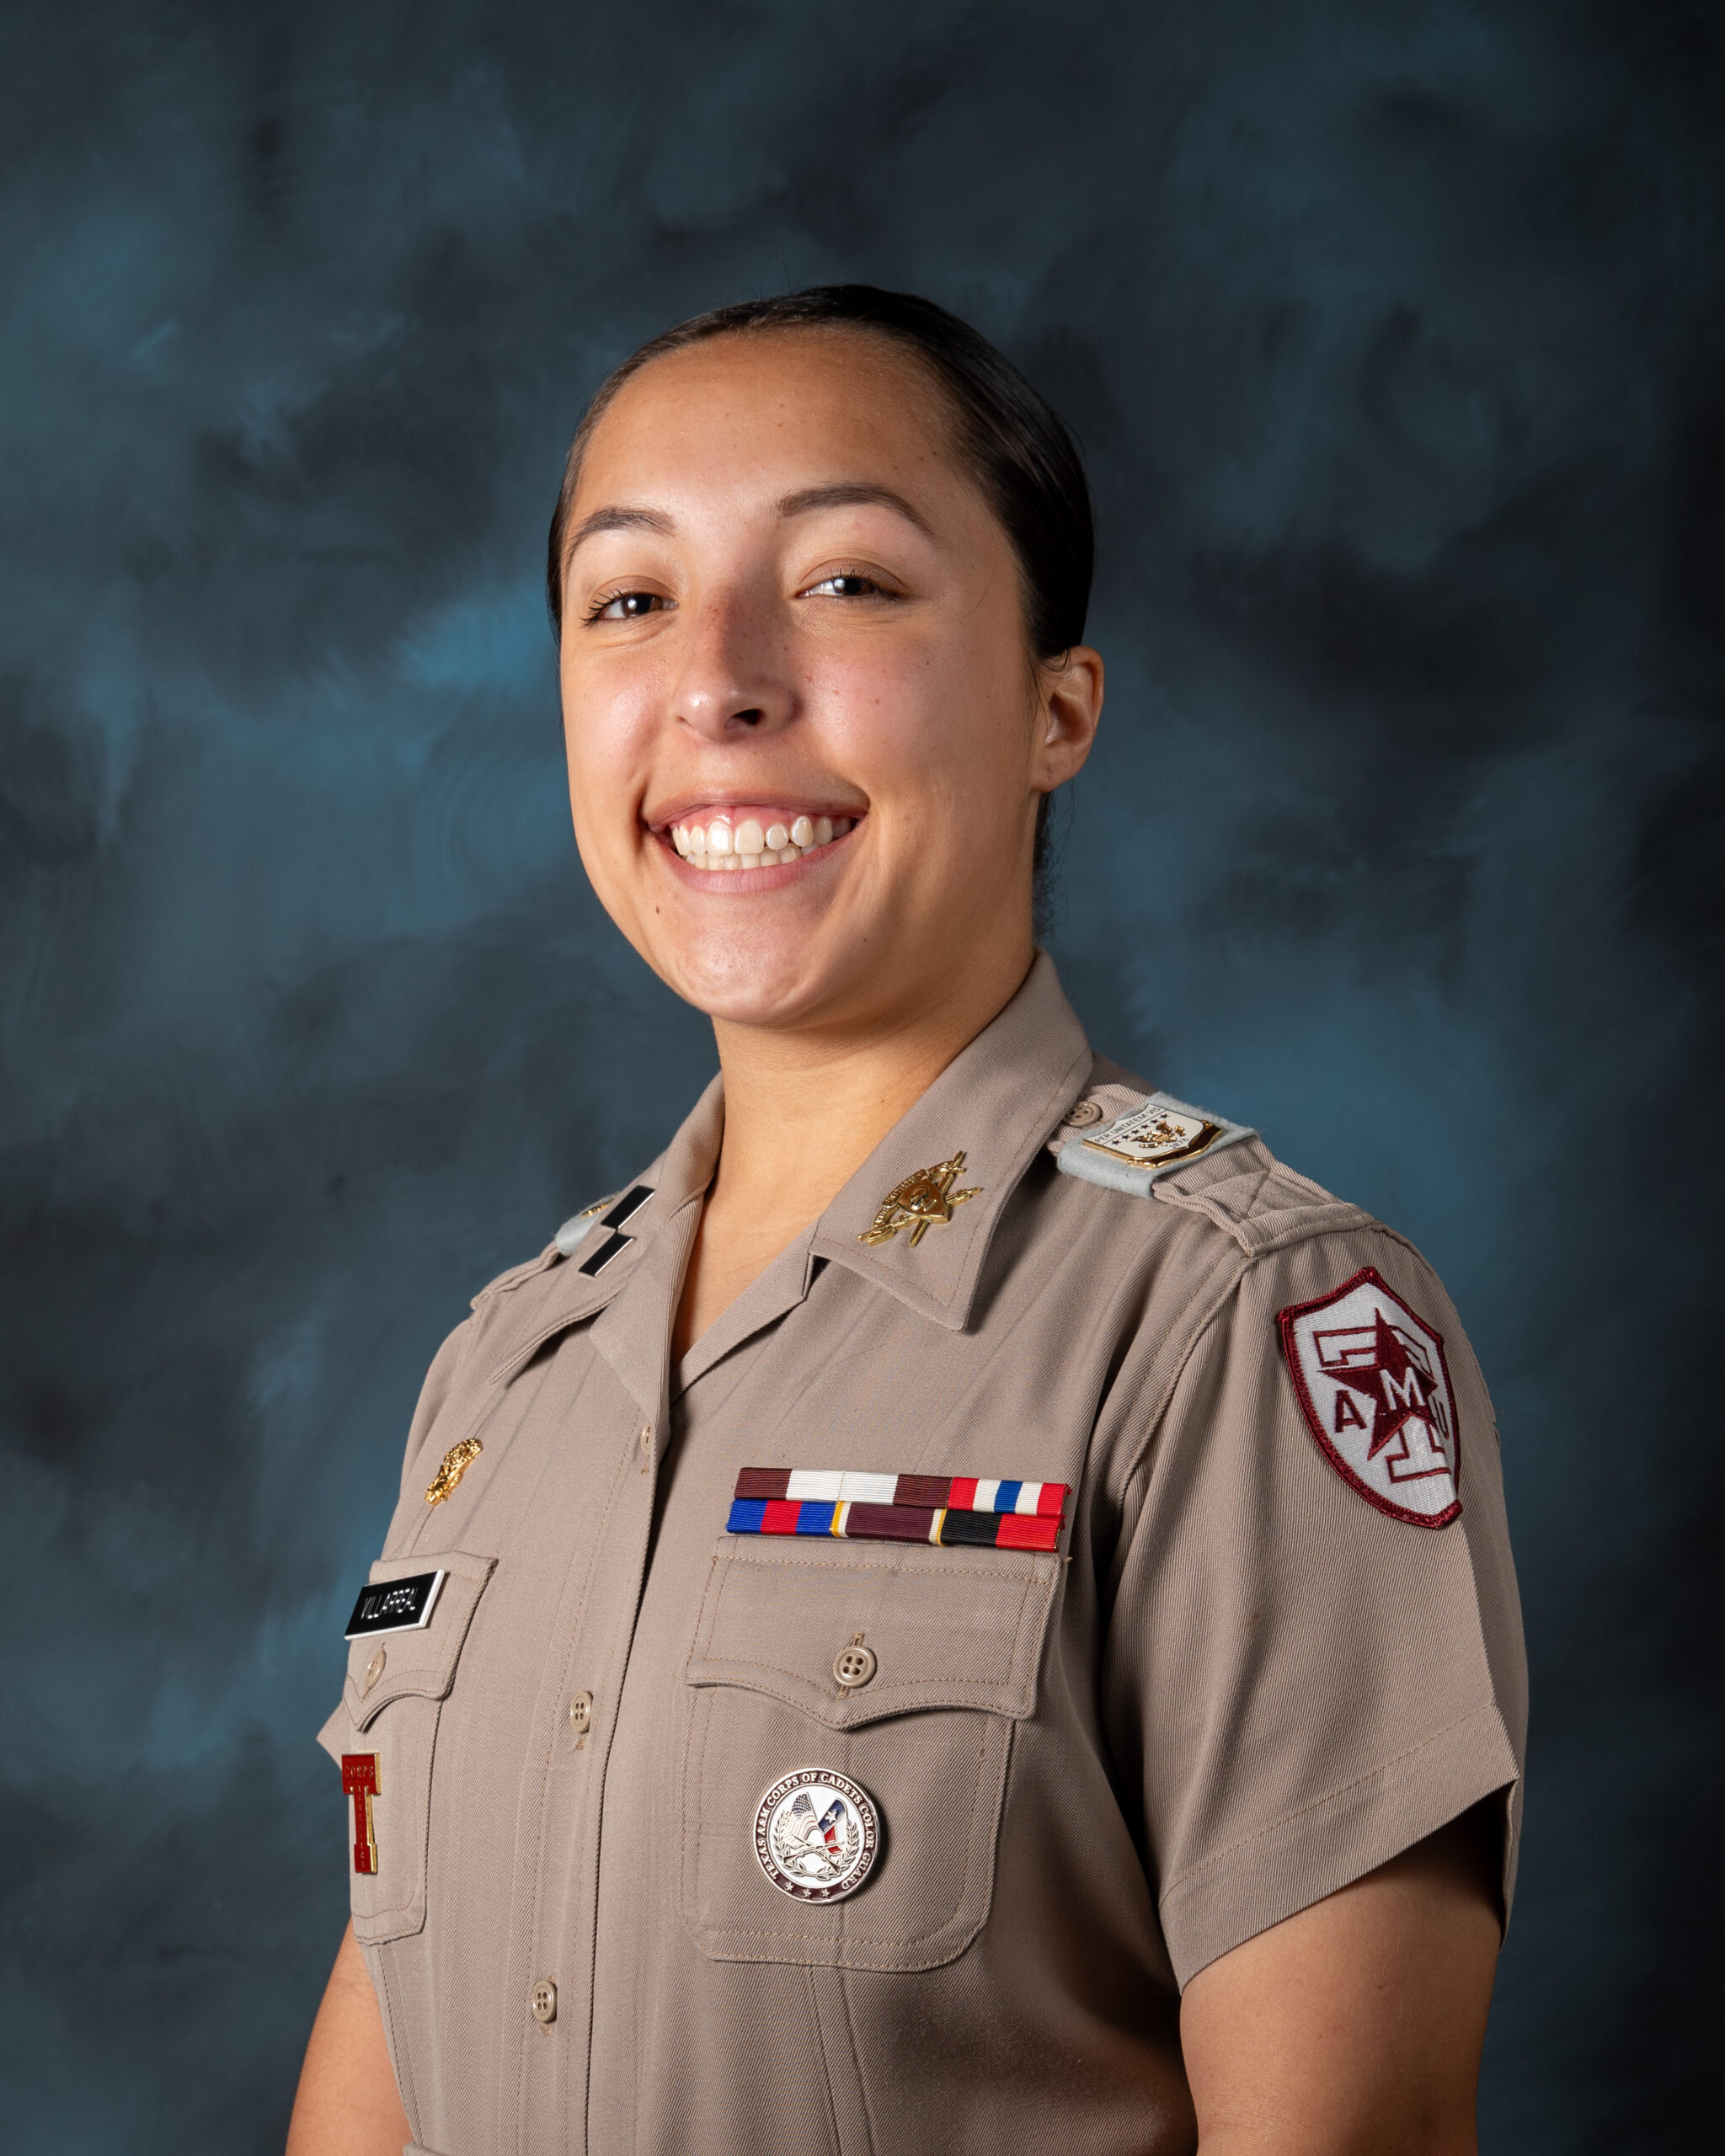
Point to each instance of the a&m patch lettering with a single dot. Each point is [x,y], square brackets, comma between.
[1373,1386]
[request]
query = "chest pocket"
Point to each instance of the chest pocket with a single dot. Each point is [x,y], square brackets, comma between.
[394,1716]
[957,1639]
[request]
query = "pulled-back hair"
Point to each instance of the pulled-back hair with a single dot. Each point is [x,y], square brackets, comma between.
[1011,439]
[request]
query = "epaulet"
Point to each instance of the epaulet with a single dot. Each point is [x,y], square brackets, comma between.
[1144,1140]
[1191,1157]
[517,1275]
[561,1245]
[567,1238]
[611,1213]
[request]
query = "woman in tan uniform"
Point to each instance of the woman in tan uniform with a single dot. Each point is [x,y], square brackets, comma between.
[968,1607]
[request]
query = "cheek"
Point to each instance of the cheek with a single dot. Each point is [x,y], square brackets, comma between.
[606,729]
[944,717]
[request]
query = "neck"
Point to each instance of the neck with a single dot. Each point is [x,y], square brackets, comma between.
[803,1111]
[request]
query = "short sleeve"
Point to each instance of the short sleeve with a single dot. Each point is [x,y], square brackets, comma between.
[1315,1657]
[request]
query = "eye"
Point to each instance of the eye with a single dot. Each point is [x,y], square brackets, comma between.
[627,605]
[846,584]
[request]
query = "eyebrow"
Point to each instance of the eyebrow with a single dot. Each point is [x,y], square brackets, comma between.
[839,494]
[618,518]
[847,493]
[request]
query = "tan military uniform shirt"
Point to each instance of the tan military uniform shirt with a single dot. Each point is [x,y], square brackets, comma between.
[1238,1682]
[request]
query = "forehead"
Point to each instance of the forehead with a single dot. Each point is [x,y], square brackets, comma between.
[791,405]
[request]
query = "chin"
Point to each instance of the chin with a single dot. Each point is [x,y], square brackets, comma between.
[771,983]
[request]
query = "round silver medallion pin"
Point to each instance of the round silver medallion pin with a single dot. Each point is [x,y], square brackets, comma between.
[817,1835]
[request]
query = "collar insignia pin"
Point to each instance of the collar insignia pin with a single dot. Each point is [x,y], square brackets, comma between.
[612,1240]
[920,1202]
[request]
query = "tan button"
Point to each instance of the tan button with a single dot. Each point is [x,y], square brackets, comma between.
[853,1666]
[646,1436]
[581,1713]
[1080,1115]
[543,1998]
[374,1667]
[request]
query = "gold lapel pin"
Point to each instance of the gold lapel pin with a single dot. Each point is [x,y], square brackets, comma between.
[456,1463]
[919,1203]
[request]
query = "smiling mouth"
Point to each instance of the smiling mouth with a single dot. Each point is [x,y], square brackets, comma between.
[766,838]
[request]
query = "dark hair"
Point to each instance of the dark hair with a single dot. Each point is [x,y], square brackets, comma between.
[1016,445]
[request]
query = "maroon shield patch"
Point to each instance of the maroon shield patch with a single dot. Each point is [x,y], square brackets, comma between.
[1374,1390]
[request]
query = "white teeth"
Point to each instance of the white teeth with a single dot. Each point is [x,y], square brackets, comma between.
[716,847]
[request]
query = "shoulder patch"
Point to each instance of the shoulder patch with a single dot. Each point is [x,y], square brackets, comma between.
[1372,1383]
[1145,1142]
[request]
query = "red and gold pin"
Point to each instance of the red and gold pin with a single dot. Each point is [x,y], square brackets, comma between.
[358,1781]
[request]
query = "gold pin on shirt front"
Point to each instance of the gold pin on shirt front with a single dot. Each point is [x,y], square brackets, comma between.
[456,1463]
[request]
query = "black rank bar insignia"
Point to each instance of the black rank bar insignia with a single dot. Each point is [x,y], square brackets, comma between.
[607,1234]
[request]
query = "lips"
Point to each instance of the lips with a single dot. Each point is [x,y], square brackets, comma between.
[732,839]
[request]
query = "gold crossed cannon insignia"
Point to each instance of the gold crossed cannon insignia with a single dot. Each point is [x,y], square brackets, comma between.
[921,1201]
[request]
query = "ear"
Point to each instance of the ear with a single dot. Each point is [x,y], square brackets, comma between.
[1070,709]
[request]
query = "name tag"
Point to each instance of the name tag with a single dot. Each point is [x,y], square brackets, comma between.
[394,1605]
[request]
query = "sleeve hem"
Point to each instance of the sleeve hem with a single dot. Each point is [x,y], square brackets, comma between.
[1243,1889]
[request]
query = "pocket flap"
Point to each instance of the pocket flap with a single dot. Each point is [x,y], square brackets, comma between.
[948,1628]
[420,1662]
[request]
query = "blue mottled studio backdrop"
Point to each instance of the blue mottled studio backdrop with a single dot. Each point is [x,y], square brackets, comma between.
[1394,336]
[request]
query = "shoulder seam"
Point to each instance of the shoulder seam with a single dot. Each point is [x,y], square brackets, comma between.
[1200,1332]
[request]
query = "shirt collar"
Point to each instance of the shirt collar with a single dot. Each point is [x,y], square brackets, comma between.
[995,1103]
[682,1173]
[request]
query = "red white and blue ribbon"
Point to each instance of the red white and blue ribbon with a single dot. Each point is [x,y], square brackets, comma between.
[994,1512]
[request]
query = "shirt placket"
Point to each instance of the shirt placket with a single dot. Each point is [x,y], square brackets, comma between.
[624,1410]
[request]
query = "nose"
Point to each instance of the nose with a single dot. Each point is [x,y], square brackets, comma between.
[734,680]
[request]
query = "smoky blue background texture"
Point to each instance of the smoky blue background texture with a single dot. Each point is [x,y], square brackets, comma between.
[1393,333]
